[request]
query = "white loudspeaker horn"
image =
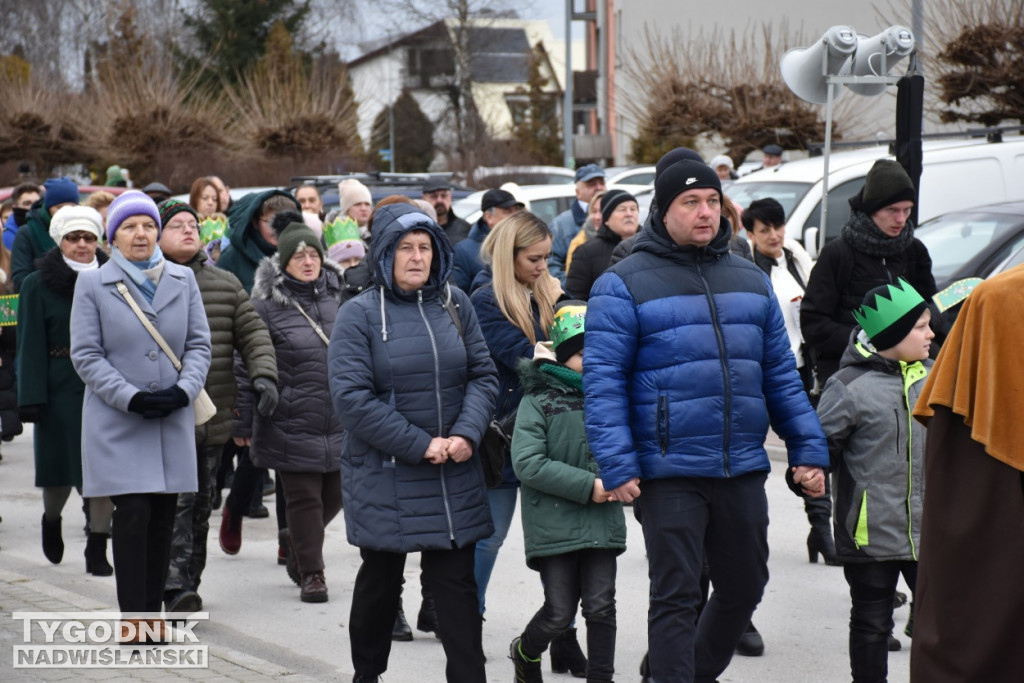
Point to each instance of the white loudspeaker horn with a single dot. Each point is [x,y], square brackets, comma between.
[895,42]
[804,68]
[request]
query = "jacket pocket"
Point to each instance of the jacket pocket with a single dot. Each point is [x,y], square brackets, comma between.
[860,529]
[663,423]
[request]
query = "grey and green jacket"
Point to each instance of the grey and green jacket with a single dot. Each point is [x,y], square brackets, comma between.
[877,454]
[557,470]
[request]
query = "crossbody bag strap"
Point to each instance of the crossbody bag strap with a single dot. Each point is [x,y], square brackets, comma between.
[452,308]
[315,325]
[123,289]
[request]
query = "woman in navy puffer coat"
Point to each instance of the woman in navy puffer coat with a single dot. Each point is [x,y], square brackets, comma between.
[414,395]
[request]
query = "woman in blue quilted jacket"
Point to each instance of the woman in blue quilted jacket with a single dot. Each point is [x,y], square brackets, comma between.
[413,385]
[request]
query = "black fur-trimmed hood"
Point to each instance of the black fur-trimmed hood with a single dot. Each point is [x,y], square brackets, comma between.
[58,275]
[272,283]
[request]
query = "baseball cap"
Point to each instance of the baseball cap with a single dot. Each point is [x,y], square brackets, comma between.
[589,172]
[500,199]
[435,183]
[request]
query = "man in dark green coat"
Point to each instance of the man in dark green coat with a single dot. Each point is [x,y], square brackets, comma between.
[234,326]
[33,239]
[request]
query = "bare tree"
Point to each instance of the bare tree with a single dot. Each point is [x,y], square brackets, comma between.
[974,53]
[690,87]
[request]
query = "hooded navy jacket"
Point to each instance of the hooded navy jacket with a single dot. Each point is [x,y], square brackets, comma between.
[401,374]
[686,360]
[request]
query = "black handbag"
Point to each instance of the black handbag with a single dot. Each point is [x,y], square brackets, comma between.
[495,448]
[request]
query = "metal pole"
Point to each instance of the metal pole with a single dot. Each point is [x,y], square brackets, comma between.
[917,22]
[567,153]
[391,114]
[824,178]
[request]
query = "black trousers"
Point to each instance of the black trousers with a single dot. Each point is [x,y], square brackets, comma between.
[872,592]
[143,523]
[448,574]
[247,489]
[192,524]
[682,520]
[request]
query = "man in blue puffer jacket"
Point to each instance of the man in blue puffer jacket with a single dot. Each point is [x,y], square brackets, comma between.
[686,362]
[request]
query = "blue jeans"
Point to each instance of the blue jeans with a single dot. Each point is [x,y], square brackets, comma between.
[682,519]
[584,574]
[503,506]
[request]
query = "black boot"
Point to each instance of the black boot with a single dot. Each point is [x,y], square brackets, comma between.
[426,620]
[751,643]
[527,668]
[53,541]
[400,631]
[96,555]
[566,654]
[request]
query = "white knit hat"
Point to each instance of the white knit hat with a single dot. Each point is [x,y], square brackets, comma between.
[352,192]
[721,160]
[75,218]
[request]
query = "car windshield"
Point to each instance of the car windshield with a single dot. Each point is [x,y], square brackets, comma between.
[787,194]
[956,238]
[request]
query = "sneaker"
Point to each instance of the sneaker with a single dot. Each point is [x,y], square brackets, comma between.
[526,670]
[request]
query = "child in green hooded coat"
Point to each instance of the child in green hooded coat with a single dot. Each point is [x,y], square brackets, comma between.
[572,531]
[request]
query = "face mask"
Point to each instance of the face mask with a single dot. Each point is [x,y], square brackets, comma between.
[20,216]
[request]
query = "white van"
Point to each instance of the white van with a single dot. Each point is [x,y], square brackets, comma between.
[957,174]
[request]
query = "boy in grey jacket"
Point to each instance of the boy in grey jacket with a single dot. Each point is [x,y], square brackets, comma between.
[877,454]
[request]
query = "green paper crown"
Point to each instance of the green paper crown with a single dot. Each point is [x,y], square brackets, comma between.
[341,229]
[902,299]
[568,323]
[212,229]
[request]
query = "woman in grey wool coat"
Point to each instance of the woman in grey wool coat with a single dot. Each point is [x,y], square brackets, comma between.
[140,445]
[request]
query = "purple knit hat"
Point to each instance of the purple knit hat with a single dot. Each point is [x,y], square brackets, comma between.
[127,204]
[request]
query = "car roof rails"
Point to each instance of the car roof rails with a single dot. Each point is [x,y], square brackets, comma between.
[991,134]
[372,178]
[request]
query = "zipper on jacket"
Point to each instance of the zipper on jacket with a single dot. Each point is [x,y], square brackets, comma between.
[896,414]
[910,457]
[725,368]
[663,424]
[440,415]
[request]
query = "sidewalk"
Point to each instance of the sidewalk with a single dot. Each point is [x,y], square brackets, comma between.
[259,630]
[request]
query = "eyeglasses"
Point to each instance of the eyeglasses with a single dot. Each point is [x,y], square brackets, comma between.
[79,236]
[192,225]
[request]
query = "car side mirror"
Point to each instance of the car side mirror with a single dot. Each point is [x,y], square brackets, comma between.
[811,243]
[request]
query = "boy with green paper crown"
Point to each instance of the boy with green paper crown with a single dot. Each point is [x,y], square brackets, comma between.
[877,454]
[572,531]
[344,245]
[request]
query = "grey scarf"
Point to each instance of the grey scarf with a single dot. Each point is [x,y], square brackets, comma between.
[864,236]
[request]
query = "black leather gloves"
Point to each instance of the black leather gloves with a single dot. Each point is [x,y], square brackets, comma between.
[156,404]
[268,396]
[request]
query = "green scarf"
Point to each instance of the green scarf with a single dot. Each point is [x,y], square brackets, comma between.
[564,375]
